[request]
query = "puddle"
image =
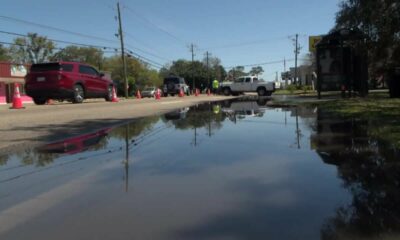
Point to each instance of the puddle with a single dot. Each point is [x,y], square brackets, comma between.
[226,170]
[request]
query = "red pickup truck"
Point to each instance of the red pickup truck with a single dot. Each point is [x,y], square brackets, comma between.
[66,81]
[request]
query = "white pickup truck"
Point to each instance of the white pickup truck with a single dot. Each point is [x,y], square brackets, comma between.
[247,84]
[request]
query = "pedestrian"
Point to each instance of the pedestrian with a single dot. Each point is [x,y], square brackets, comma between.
[215,86]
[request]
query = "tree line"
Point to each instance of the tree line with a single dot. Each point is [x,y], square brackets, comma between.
[37,49]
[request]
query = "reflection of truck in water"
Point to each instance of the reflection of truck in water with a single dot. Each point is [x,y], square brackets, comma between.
[76,144]
[243,108]
[177,115]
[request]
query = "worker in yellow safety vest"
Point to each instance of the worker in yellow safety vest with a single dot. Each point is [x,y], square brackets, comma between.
[215,86]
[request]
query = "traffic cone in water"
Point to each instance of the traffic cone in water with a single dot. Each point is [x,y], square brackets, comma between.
[17,101]
[114,97]
[138,95]
[181,94]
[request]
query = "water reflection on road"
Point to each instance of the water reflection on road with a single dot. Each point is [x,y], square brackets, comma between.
[226,170]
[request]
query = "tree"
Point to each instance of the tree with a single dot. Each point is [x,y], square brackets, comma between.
[380,21]
[89,55]
[32,49]
[236,72]
[139,75]
[4,56]
[256,71]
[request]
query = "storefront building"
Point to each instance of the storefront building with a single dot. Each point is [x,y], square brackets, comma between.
[10,74]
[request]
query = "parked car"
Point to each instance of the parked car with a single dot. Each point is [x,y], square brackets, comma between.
[172,86]
[67,81]
[149,92]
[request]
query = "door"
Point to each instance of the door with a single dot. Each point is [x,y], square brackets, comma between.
[247,86]
[90,78]
[238,85]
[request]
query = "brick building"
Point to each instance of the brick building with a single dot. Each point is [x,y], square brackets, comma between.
[10,74]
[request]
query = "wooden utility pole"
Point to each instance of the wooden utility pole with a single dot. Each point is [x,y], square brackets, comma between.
[208,71]
[296,52]
[121,37]
[194,81]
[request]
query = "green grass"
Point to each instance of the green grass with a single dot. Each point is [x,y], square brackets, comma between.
[294,92]
[378,106]
[382,112]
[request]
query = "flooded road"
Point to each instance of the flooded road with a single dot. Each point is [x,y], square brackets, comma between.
[226,170]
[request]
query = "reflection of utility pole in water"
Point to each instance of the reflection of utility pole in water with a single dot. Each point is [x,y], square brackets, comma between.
[297,130]
[285,117]
[194,142]
[126,157]
[209,120]
[195,136]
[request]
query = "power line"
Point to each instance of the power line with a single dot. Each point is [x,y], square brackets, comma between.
[24,45]
[155,25]
[55,29]
[60,41]
[149,61]
[263,63]
[255,42]
[143,51]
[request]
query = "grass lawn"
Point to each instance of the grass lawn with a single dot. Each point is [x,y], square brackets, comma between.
[382,112]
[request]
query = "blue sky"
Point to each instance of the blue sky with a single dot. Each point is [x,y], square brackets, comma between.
[239,32]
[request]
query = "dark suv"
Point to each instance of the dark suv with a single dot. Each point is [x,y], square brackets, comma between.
[66,81]
[172,86]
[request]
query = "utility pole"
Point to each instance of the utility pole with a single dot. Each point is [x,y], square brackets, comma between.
[208,71]
[194,81]
[121,37]
[296,52]
[286,74]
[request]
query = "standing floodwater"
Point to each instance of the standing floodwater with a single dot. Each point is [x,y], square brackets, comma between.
[229,170]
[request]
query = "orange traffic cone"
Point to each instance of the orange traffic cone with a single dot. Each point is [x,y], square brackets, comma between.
[17,101]
[158,94]
[196,92]
[208,92]
[49,101]
[181,94]
[114,97]
[138,95]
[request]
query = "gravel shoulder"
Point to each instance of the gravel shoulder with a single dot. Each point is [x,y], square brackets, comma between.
[36,125]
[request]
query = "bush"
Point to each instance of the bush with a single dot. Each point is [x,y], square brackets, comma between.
[291,88]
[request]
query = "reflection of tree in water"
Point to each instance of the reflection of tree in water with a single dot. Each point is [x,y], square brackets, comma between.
[33,157]
[136,128]
[3,159]
[40,157]
[370,170]
[201,116]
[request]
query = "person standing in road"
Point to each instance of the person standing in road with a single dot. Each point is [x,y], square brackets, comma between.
[215,86]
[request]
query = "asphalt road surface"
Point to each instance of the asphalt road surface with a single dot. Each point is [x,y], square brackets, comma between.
[36,125]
